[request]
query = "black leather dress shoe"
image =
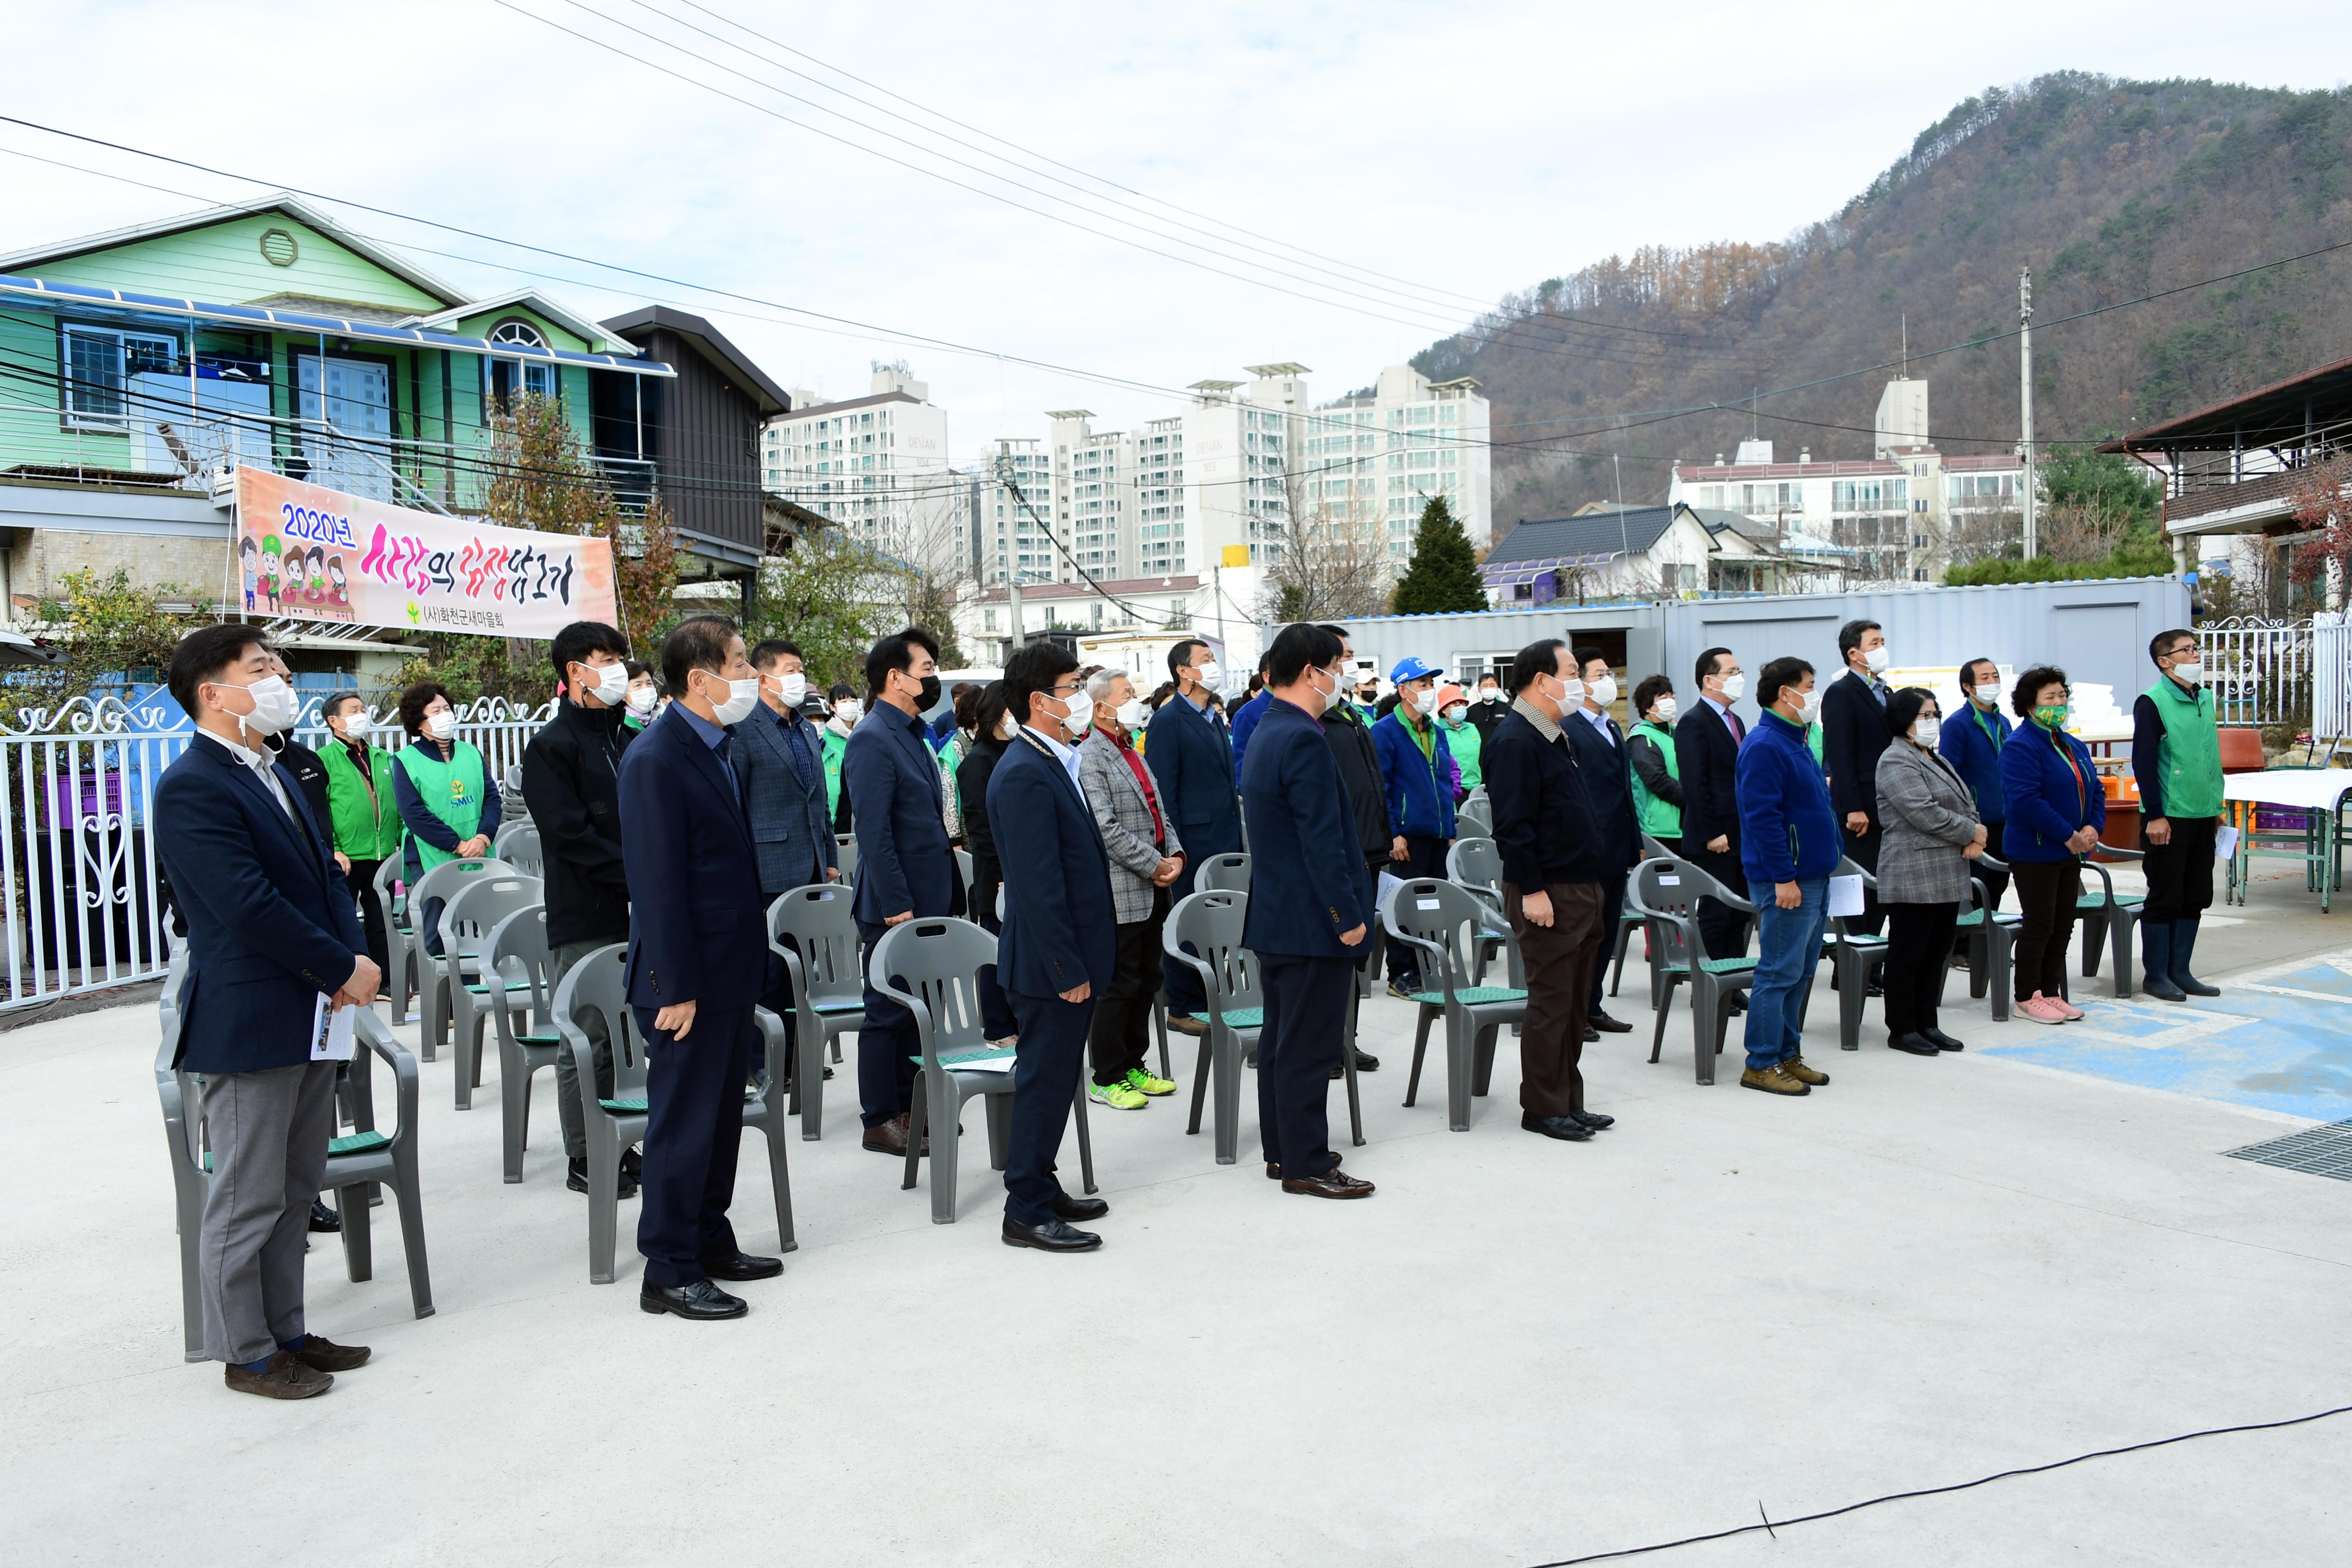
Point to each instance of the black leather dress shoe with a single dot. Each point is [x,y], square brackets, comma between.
[1913,1042]
[576,1177]
[1334,1183]
[700,1302]
[1052,1237]
[324,1218]
[1069,1207]
[1367,1062]
[1567,1129]
[1942,1041]
[1591,1033]
[742,1265]
[1593,1118]
[1274,1171]
[1607,1024]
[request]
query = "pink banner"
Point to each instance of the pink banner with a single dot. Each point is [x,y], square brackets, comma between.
[314,555]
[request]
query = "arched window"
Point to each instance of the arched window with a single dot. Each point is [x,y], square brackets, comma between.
[514,330]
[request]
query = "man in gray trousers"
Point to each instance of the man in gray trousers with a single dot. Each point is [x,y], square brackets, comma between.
[272,935]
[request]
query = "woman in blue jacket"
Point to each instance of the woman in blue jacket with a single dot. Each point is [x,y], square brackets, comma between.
[2057,807]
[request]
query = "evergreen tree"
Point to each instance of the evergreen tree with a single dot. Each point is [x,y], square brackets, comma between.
[1442,575]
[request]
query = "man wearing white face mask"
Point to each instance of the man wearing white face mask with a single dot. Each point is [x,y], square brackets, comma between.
[783,767]
[1146,854]
[2177,758]
[1708,738]
[1416,775]
[697,961]
[1788,846]
[1191,755]
[1601,755]
[572,776]
[1854,737]
[270,932]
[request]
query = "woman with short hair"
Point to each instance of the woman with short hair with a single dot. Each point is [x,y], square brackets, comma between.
[1930,820]
[447,800]
[1657,772]
[2057,807]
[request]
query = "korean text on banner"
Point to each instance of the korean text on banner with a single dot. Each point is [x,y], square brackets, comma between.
[308,553]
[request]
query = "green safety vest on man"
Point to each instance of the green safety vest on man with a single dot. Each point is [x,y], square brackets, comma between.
[451,790]
[2189,758]
[366,818]
[1660,818]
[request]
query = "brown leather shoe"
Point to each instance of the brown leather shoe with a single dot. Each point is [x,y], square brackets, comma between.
[890,1137]
[1796,1068]
[1771,1080]
[284,1378]
[1274,1171]
[1332,1183]
[1186,1023]
[322,1355]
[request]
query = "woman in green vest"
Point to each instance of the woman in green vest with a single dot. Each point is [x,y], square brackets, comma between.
[364,816]
[847,711]
[642,695]
[1461,738]
[447,800]
[1657,775]
[2177,758]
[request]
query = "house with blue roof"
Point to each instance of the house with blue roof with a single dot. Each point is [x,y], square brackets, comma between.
[1669,552]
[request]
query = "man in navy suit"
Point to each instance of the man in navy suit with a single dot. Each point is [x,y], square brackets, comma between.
[697,956]
[905,865]
[1060,942]
[1308,912]
[1706,754]
[1191,753]
[1854,737]
[271,932]
[782,766]
[1617,833]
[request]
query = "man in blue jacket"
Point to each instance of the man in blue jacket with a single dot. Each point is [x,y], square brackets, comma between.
[271,935]
[1416,775]
[1307,911]
[905,865]
[1972,741]
[1788,845]
[697,953]
[1192,757]
[1245,722]
[1060,941]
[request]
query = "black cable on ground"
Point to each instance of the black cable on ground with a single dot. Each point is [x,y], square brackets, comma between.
[1771,1525]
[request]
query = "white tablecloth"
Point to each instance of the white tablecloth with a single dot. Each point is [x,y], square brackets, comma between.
[2311,789]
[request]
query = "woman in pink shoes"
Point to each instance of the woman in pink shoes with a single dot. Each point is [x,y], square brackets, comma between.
[2057,807]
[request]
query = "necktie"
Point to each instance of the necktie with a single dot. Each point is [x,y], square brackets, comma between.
[726,764]
[1739,730]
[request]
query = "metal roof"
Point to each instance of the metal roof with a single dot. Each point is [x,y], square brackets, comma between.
[1600,535]
[710,343]
[2283,414]
[85,295]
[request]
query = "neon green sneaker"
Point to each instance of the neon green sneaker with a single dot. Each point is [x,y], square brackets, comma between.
[1117,1096]
[1144,1083]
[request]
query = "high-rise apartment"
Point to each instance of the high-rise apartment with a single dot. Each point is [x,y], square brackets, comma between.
[876,465]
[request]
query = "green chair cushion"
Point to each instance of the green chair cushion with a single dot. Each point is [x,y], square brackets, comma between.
[1235,1017]
[538,1040]
[512,986]
[2099,901]
[1713,966]
[357,1143]
[856,1006]
[625,1107]
[1471,995]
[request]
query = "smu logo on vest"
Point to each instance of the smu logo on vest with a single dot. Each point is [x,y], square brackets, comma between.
[458,794]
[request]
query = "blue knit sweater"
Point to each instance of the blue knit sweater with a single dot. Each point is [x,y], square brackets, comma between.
[1787,831]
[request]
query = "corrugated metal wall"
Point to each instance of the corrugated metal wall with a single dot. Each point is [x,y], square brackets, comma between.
[2097,632]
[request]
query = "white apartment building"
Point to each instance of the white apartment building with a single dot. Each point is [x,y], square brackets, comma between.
[1094,492]
[1012,538]
[876,465]
[1377,457]
[1903,513]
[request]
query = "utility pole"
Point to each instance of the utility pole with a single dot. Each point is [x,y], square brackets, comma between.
[2025,400]
[1013,598]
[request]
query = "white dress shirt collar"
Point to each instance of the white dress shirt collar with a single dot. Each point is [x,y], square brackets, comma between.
[261,764]
[1067,756]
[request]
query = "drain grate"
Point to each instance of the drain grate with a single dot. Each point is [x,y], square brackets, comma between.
[2323,1151]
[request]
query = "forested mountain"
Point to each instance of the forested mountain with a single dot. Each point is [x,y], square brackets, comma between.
[2109,190]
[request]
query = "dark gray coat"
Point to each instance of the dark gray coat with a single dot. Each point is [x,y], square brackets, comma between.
[1929,816]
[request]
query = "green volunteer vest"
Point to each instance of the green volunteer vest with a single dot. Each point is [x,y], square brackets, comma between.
[366,818]
[1660,819]
[451,790]
[2189,758]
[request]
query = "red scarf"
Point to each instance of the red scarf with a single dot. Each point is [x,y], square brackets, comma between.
[1142,780]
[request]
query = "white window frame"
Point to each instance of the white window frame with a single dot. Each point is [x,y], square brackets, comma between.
[70,391]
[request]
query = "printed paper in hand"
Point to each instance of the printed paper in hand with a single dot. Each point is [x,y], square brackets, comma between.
[330,1031]
[1845,897]
[1388,887]
[2225,842]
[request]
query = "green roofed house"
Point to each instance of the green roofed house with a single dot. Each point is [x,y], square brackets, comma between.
[138,368]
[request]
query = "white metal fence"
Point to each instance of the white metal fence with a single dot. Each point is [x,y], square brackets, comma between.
[80,908]
[2331,675]
[2261,674]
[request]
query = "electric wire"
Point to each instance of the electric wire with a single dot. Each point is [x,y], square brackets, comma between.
[1769,1524]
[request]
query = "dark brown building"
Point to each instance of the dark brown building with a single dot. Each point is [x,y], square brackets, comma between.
[701,435]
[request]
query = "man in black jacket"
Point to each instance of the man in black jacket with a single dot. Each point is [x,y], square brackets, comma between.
[1547,835]
[571,776]
[1706,752]
[1350,738]
[1853,734]
[1600,748]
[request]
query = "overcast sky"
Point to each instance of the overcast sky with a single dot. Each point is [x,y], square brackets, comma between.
[1396,165]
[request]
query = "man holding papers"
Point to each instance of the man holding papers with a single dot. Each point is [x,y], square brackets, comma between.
[271,930]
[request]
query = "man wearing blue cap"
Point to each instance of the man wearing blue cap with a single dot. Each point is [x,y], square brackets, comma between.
[1416,775]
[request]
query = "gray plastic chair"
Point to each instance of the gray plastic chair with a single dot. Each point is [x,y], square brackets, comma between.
[518,844]
[966,870]
[528,1040]
[1666,893]
[844,846]
[1473,818]
[401,980]
[828,984]
[931,967]
[356,1165]
[1856,958]
[2107,916]
[433,1004]
[1223,874]
[1992,943]
[473,991]
[1444,925]
[1476,866]
[595,984]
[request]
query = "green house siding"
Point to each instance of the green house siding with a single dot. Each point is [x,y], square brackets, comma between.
[224,261]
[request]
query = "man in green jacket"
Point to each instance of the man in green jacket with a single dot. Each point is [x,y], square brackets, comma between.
[2177,758]
[366,818]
